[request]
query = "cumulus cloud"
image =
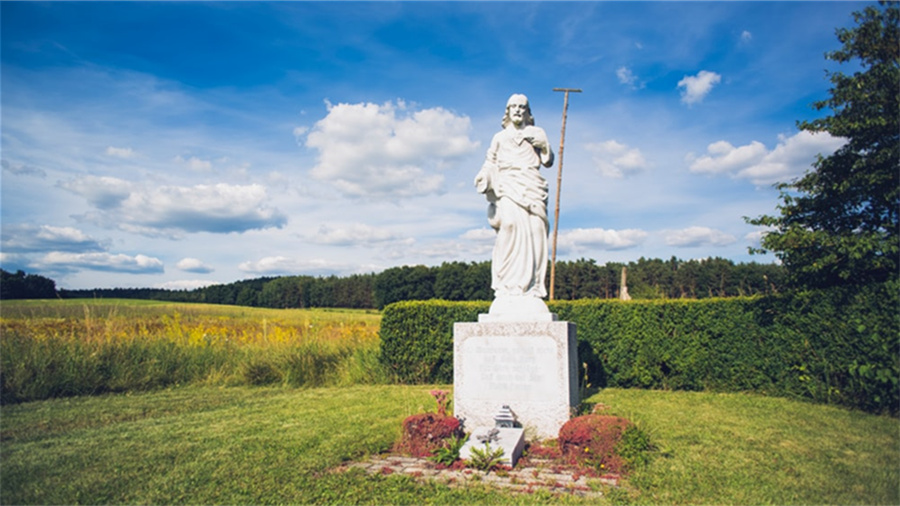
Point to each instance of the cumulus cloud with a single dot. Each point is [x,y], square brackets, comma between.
[354,234]
[193,265]
[101,192]
[791,157]
[383,151]
[42,238]
[138,264]
[219,208]
[616,160]
[599,238]
[695,88]
[281,265]
[124,153]
[746,36]
[697,236]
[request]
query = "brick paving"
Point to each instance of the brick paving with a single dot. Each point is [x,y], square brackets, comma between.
[529,475]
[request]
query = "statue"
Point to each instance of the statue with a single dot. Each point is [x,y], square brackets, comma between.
[516,192]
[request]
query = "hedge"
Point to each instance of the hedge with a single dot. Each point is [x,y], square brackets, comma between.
[836,346]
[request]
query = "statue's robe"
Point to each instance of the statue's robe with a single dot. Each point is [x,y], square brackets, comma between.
[512,183]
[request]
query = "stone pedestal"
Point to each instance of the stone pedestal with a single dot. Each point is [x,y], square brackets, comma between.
[512,441]
[530,366]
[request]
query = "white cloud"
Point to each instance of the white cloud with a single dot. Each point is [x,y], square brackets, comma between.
[614,159]
[479,235]
[185,284]
[697,87]
[367,150]
[21,169]
[627,77]
[792,157]
[746,36]
[697,236]
[138,264]
[193,265]
[101,192]
[281,265]
[124,153]
[194,163]
[355,233]
[31,238]
[600,238]
[219,208]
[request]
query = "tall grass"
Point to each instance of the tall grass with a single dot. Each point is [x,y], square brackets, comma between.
[65,348]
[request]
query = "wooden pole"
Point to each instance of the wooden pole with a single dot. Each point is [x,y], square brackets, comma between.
[562,141]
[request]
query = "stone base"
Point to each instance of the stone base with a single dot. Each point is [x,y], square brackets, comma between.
[511,440]
[530,366]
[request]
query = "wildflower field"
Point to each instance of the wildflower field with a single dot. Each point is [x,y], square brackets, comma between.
[79,347]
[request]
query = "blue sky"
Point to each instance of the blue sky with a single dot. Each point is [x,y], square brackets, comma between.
[183,144]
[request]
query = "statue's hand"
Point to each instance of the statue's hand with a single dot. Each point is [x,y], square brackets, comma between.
[537,138]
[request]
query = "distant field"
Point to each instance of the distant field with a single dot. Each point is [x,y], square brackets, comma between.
[58,348]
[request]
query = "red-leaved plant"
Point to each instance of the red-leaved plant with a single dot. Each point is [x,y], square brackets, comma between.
[591,440]
[426,432]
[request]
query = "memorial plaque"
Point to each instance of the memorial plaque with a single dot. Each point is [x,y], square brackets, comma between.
[530,366]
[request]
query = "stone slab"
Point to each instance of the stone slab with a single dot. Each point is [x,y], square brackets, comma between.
[530,366]
[511,440]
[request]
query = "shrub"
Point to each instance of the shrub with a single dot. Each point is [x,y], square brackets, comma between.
[836,346]
[591,440]
[417,338]
[424,433]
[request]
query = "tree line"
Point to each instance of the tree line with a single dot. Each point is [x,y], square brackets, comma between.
[455,281]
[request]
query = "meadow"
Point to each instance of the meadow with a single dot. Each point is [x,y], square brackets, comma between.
[82,347]
[253,418]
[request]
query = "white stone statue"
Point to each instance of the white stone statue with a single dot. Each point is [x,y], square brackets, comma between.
[516,192]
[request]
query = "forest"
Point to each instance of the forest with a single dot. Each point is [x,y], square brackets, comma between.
[455,281]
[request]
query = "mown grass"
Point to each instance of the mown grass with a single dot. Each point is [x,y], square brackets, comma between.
[242,445]
[82,347]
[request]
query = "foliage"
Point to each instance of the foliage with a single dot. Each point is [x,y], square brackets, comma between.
[25,286]
[484,458]
[449,453]
[442,398]
[459,281]
[836,346]
[417,338]
[591,440]
[68,348]
[635,447]
[424,433]
[840,223]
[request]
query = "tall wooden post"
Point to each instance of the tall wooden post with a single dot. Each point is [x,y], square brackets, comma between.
[562,141]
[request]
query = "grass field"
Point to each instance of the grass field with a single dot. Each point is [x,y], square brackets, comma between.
[200,407]
[243,445]
[78,347]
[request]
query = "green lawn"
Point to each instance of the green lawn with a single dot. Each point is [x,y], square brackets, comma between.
[242,445]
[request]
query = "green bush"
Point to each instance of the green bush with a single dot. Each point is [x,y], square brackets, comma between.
[836,346]
[417,338]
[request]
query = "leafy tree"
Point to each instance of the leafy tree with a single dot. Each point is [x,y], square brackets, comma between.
[839,223]
[26,286]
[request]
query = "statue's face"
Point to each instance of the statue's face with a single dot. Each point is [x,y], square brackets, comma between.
[517,108]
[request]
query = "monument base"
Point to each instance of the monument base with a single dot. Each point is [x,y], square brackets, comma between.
[512,441]
[530,366]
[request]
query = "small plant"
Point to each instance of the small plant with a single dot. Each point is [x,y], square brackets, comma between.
[635,447]
[484,458]
[443,400]
[449,453]
[425,433]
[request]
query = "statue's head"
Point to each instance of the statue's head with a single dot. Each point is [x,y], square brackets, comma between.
[518,99]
